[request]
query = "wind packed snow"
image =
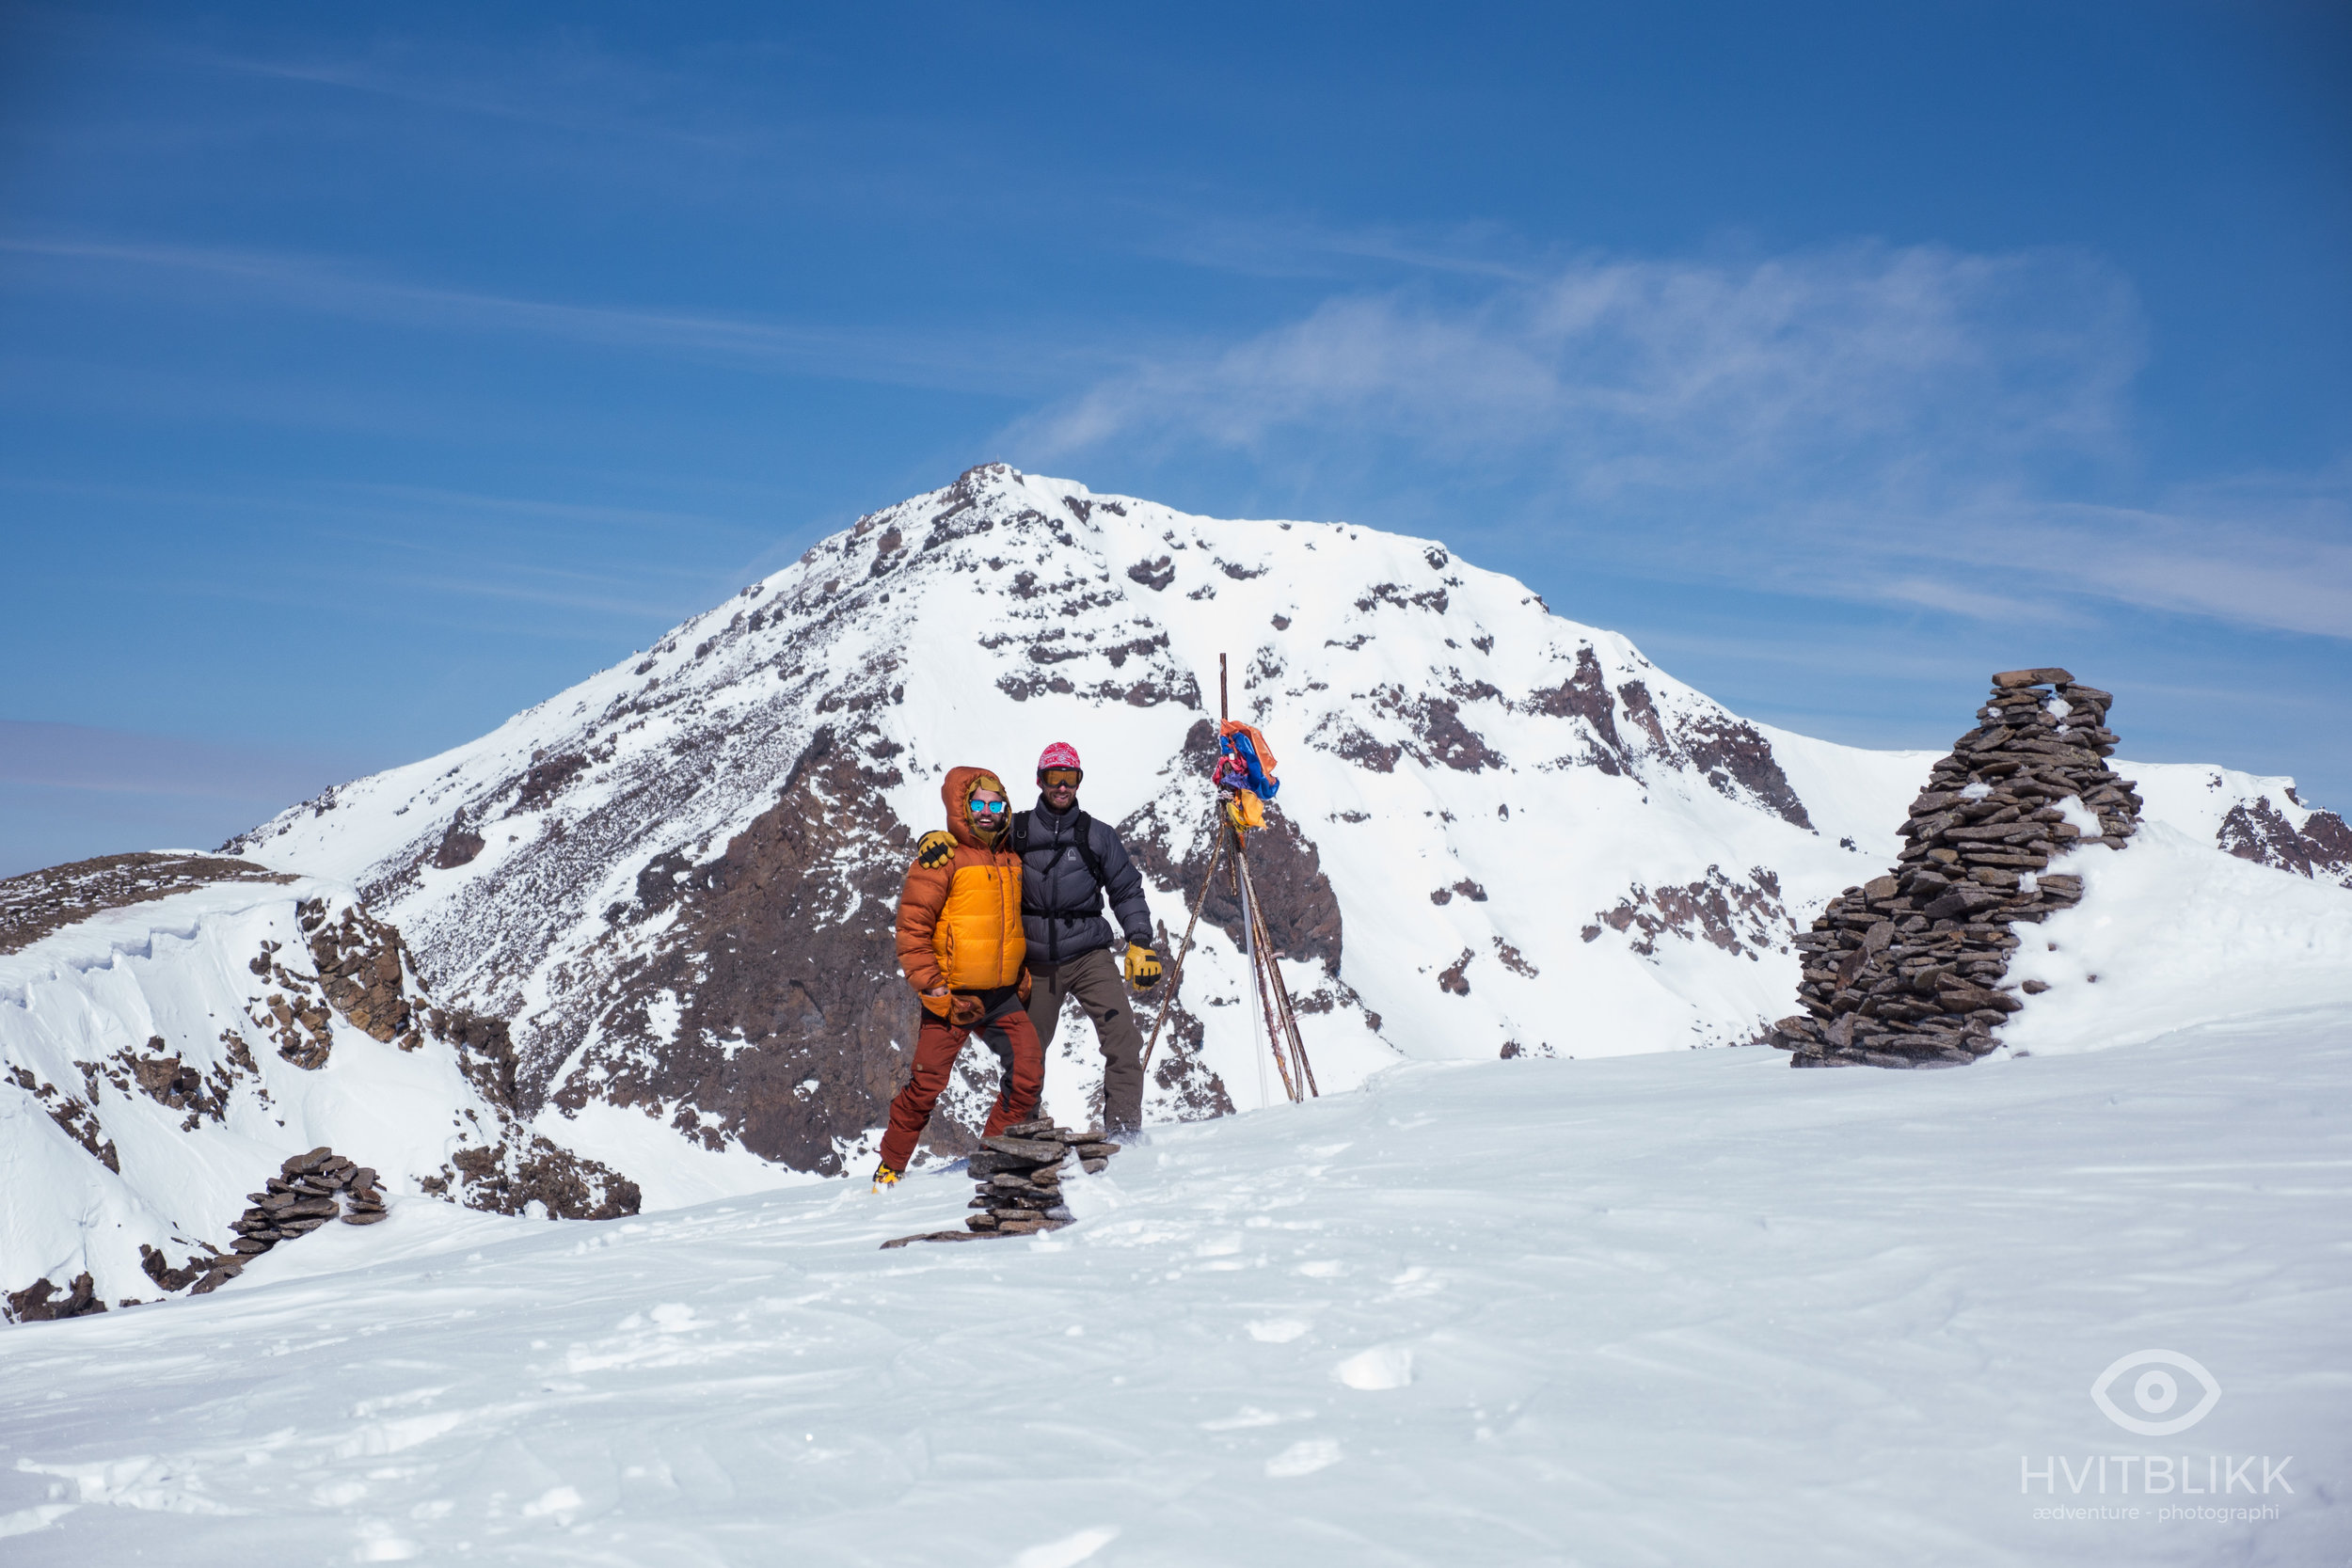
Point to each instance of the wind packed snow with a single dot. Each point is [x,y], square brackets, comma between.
[2172,933]
[1681,1308]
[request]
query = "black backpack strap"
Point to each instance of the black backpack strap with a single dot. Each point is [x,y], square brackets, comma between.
[1017,833]
[1084,828]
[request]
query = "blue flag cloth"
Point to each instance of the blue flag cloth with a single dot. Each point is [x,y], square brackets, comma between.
[1246,761]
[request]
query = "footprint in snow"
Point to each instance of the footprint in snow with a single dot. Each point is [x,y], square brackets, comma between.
[1069,1551]
[1278,1331]
[1241,1420]
[1303,1458]
[1382,1366]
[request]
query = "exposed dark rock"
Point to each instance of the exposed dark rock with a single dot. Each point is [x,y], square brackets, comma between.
[2257,831]
[546,779]
[41,1302]
[793,1021]
[1585,695]
[1439,722]
[506,1178]
[1737,916]
[361,967]
[459,846]
[74,1116]
[1455,979]
[1359,748]
[1728,752]
[1732,757]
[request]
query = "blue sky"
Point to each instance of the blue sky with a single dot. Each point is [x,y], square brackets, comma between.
[370,374]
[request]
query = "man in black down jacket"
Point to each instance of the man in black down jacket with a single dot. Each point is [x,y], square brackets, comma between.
[1068,862]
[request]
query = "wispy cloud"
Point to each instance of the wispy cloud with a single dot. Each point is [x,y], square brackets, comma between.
[1294,245]
[1917,426]
[1665,373]
[959,361]
[544,91]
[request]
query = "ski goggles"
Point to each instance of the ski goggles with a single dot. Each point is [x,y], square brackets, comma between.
[987,808]
[1059,778]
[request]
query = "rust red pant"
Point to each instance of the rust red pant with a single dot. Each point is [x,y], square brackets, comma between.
[1003,1028]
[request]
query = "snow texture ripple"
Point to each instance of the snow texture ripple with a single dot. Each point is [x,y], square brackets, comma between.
[1684,1308]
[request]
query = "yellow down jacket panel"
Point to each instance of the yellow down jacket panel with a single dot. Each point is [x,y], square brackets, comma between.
[960,922]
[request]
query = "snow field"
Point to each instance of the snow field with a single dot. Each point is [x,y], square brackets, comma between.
[2177,932]
[1678,1308]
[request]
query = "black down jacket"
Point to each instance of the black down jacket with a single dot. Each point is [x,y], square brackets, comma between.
[1061,903]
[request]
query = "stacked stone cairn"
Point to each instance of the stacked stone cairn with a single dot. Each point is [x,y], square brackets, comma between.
[1906,969]
[1019,1176]
[308,1191]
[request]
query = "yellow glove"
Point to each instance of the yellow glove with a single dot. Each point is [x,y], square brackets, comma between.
[935,850]
[1143,967]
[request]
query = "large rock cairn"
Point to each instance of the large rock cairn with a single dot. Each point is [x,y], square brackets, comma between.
[1019,1176]
[1906,969]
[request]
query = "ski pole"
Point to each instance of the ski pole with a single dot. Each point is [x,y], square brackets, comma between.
[1176,970]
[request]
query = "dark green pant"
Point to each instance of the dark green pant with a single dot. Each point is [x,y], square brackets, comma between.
[1094,979]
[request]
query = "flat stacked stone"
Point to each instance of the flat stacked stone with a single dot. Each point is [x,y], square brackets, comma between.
[308,1191]
[1906,969]
[1018,1180]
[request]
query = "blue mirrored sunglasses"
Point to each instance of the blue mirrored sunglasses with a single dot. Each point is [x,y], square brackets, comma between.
[991,807]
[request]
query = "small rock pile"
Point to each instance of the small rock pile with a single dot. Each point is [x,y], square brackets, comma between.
[309,1190]
[1018,1175]
[1905,970]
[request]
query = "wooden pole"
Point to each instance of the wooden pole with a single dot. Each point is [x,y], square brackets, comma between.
[1263,975]
[1282,1020]
[1223,710]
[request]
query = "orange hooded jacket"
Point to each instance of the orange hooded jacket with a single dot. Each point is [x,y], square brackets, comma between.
[960,920]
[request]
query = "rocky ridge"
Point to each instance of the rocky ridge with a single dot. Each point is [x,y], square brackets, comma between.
[35,903]
[315,1021]
[1907,970]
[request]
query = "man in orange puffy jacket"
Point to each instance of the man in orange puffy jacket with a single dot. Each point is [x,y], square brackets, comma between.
[961,948]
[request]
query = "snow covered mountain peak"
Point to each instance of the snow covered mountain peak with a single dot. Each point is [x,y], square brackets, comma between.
[675,878]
